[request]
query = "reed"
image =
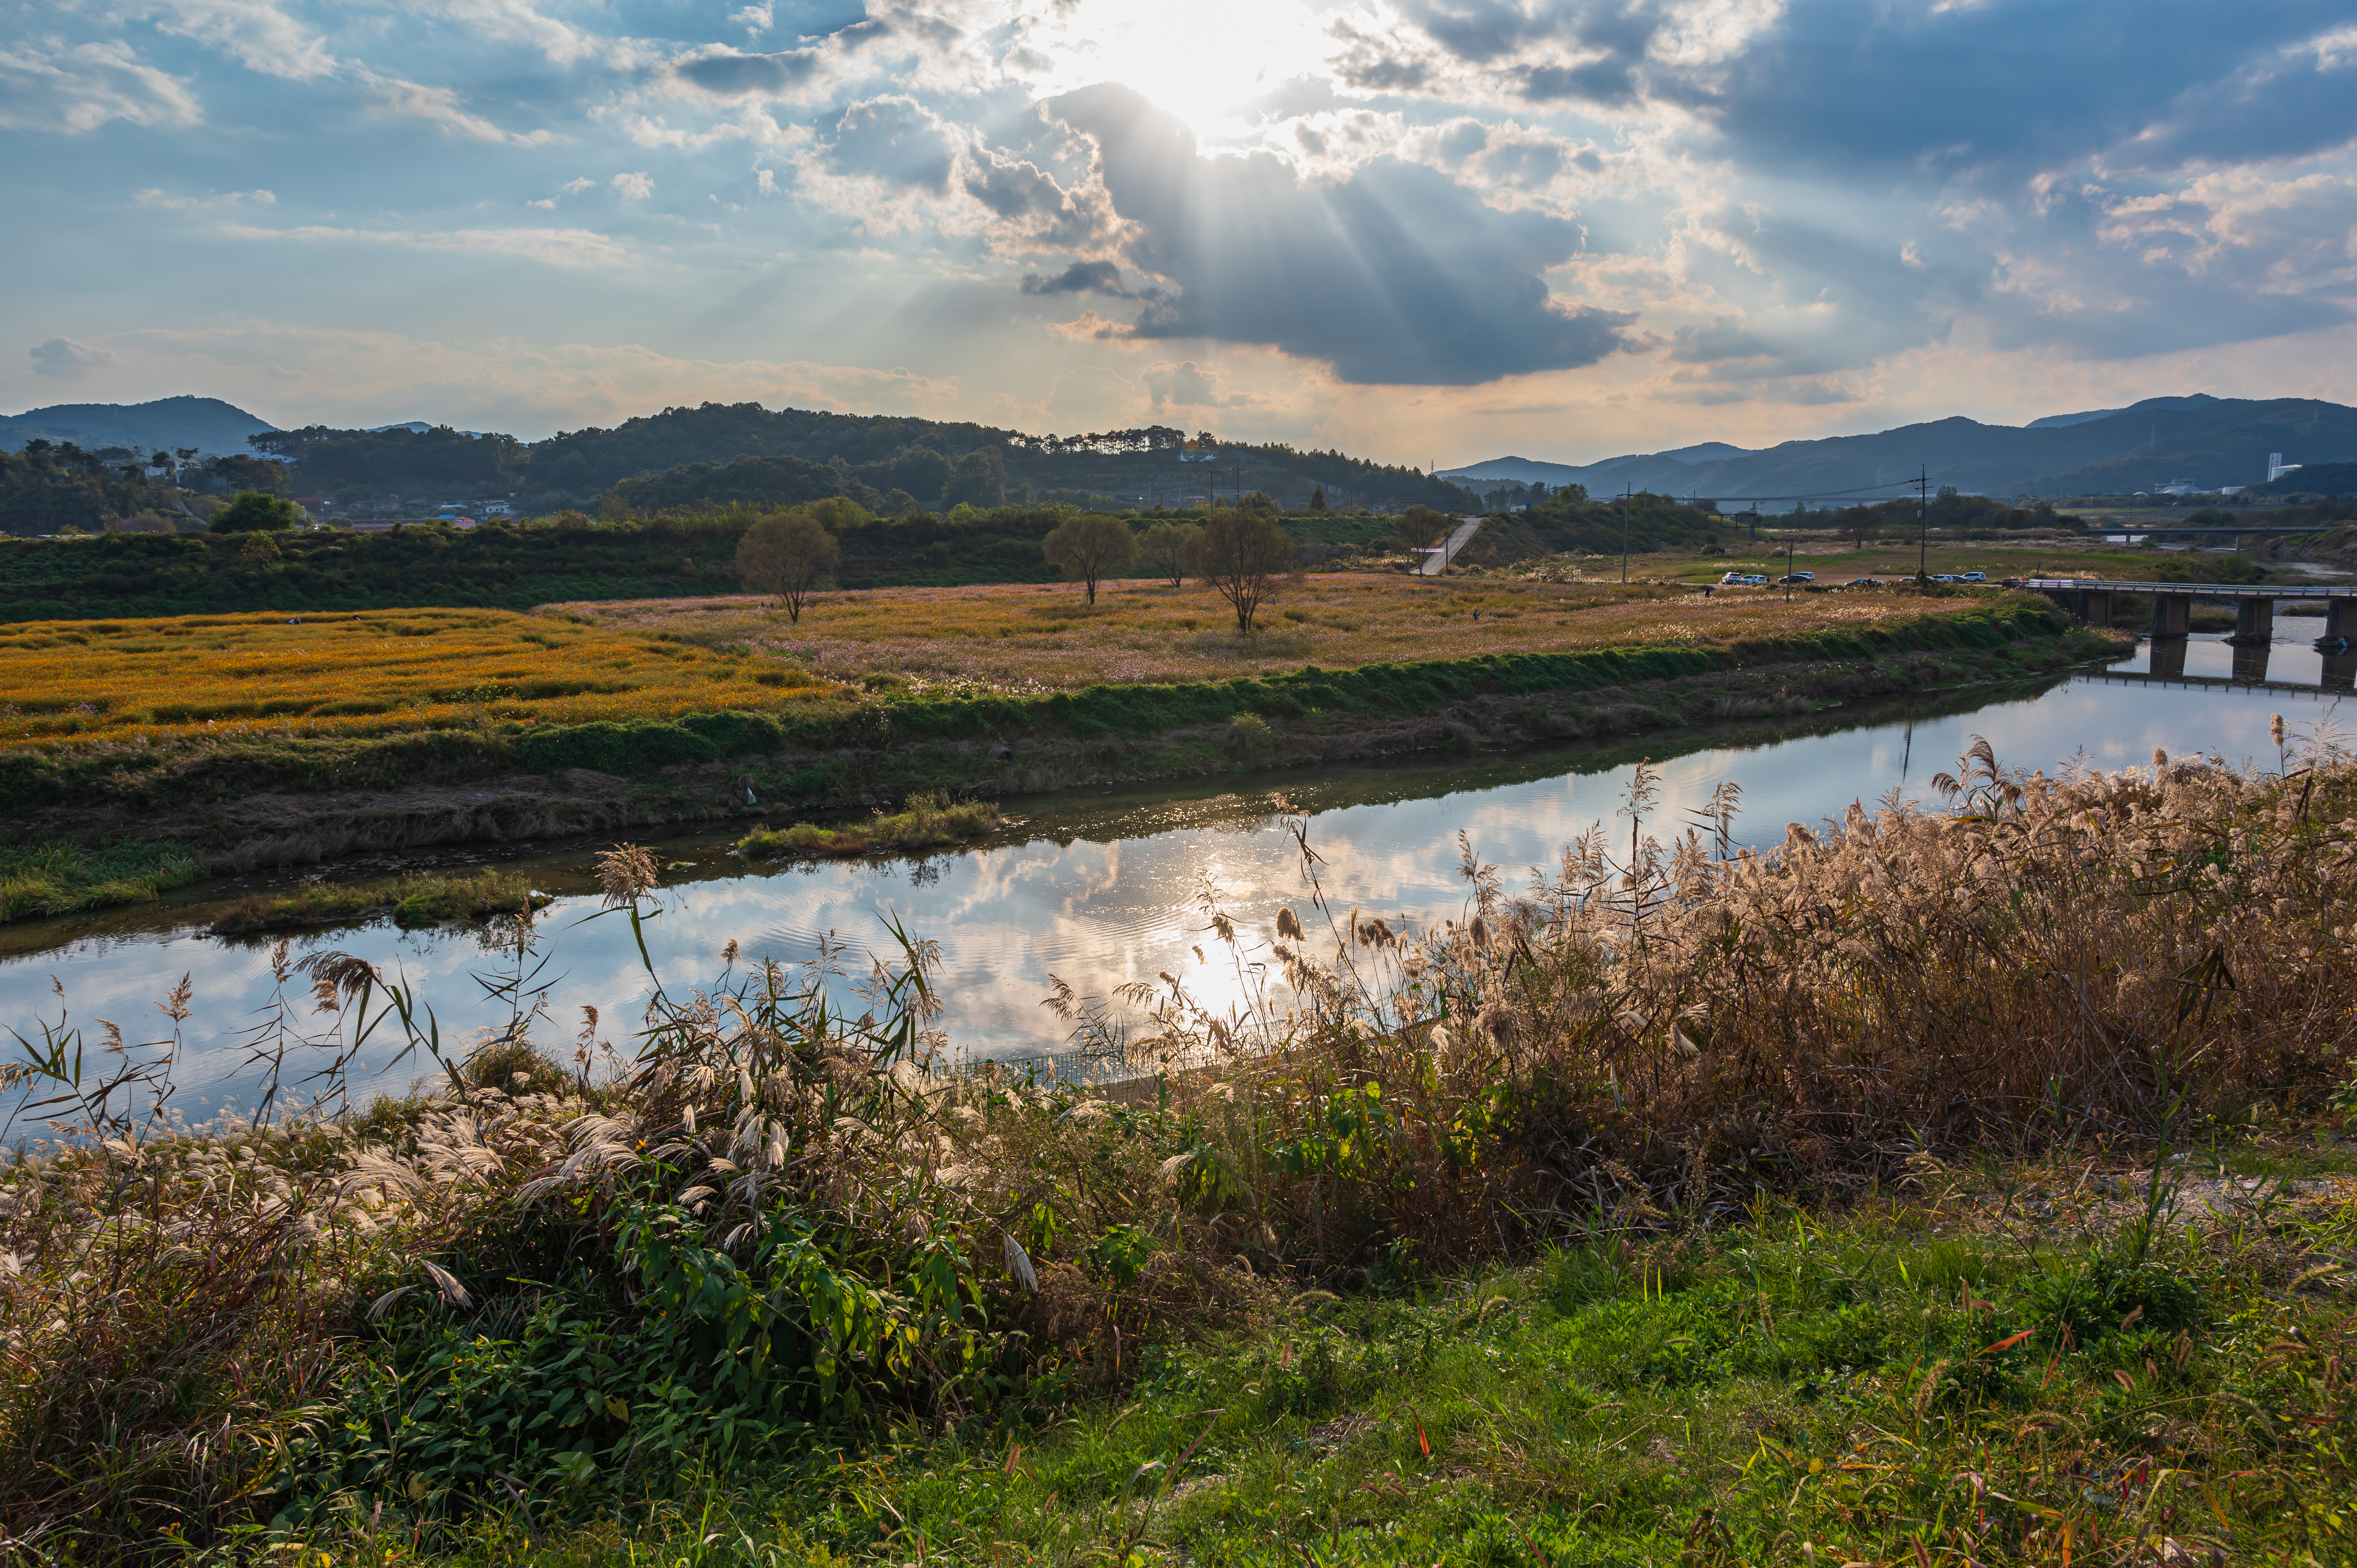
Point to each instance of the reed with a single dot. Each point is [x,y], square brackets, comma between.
[781,1224]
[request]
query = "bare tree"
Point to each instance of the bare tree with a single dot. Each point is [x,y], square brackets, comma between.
[787,556]
[1240,551]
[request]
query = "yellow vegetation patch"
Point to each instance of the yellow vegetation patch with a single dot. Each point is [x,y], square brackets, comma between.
[360,672]
[1027,638]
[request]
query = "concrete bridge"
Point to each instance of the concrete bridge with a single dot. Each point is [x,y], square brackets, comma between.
[2093,599]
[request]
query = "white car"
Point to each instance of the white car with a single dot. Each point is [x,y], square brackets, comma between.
[1974,577]
[1732,577]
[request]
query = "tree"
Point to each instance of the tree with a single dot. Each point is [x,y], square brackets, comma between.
[1419,528]
[1089,547]
[1859,524]
[979,479]
[254,512]
[787,555]
[1240,551]
[1168,549]
[1317,498]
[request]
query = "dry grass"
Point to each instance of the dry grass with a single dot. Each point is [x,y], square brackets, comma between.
[775,1187]
[358,673]
[1026,639]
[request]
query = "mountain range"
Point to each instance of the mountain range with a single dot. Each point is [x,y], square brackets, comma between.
[211,426]
[2207,442]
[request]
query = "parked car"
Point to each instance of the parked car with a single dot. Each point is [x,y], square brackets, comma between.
[1796,577]
[1732,577]
[1862,582]
[1974,577]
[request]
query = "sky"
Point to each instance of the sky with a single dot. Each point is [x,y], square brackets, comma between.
[1419,231]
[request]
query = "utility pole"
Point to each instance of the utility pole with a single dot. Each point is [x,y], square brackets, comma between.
[1922,530]
[1788,568]
[1625,493]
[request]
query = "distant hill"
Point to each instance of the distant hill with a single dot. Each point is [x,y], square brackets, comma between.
[2312,479]
[2059,420]
[2208,442]
[211,426]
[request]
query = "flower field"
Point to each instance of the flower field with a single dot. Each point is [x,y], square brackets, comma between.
[1021,638]
[359,673]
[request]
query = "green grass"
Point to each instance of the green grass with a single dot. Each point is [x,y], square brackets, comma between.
[928,822]
[412,902]
[60,879]
[1948,1379]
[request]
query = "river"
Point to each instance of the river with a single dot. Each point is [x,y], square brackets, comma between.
[1104,888]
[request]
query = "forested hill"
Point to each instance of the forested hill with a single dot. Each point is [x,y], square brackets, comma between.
[697,456]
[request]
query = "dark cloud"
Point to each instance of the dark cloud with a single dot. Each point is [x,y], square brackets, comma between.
[1394,275]
[1081,277]
[894,139]
[1724,338]
[726,73]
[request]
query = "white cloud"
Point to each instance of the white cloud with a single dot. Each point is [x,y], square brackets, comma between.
[73,88]
[255,33]
[570,188]
[519,22]
[633,186]
[296,374]
[153,196]
[754,20]
[65,359]
[557,247]
[440,106]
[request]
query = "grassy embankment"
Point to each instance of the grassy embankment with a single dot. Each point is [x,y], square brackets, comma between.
[218,731]
[926,821]
[1776,1208]
[61,878]
[426,899]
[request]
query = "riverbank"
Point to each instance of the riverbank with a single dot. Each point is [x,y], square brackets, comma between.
[241,803]
[1803,1231]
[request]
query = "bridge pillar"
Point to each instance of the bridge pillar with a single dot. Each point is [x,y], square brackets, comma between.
[2254,621]
[2171,613]
[2169,655]
[2251,660]
[2098,602]
[2341,618]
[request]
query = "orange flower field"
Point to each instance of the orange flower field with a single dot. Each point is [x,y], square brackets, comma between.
[360,672]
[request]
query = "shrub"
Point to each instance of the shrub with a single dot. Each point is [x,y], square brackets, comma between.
[255,510]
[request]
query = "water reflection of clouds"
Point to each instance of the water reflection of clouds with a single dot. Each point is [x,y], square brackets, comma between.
[1104,914]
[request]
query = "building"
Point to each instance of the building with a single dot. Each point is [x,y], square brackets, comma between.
[2277,467]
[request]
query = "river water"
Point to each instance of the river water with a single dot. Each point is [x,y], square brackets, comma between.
[1104,889]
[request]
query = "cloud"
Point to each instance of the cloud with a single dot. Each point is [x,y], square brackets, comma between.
[70,89]
[894,140]
[519,22]
[65,359]
[1081,277]
[155,197]
[633,186]
[440,106]
[1184,385]
[555,247]
[255,33]
[294,374]
[570,188]
[1392,275]
[725,73]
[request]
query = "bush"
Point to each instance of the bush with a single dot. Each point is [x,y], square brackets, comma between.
[256,512]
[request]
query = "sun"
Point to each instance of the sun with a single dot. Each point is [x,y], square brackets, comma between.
[1203,61]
